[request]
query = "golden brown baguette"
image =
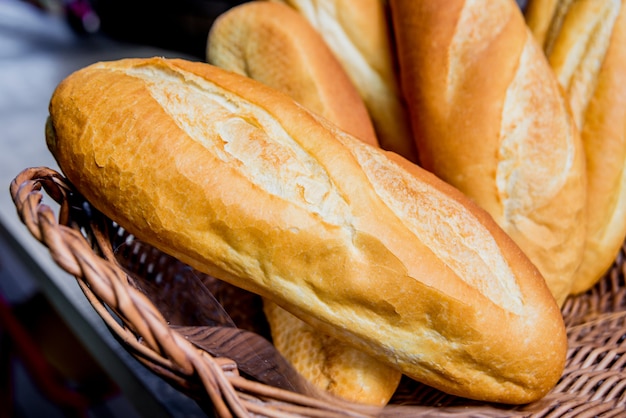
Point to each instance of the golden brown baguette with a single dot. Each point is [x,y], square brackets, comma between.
[358,32]
[273,44]
[328,363]
[585,43]
[239,181]
[489,118]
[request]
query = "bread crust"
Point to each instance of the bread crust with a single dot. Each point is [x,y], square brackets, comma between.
[272,43]
[237,180]
[586,48]
[360,35]
[489,118]
[329,363]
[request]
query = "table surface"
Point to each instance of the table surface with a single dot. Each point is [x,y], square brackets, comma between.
[37,50]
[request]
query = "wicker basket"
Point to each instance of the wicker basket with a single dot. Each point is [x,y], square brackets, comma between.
[132,285]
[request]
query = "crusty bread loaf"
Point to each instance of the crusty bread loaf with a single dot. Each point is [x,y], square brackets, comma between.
[585,43]
[328,363]
[489,118]
[359,34]
[237,180]
[274,44]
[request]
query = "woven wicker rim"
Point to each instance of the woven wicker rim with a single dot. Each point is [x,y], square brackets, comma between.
[593,383]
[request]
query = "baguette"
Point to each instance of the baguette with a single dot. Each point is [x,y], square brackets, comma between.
[585,42]
[489,118]
[359,34]
[239,181]
[273,44]
[328,363]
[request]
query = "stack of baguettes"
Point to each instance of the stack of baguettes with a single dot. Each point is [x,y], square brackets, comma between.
[413,186]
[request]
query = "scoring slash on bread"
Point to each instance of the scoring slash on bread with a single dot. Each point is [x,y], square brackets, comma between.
[359,34]
[585,42]
[239,181]
[490,119]
[273,44]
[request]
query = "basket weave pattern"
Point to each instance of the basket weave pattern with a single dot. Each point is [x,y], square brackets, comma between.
[113,271]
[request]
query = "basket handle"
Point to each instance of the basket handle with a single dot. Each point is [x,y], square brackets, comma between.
[106,285]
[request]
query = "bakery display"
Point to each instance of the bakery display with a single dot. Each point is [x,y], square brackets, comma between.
[465,282]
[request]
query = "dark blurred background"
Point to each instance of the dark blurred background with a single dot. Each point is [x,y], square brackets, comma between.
[180,25]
